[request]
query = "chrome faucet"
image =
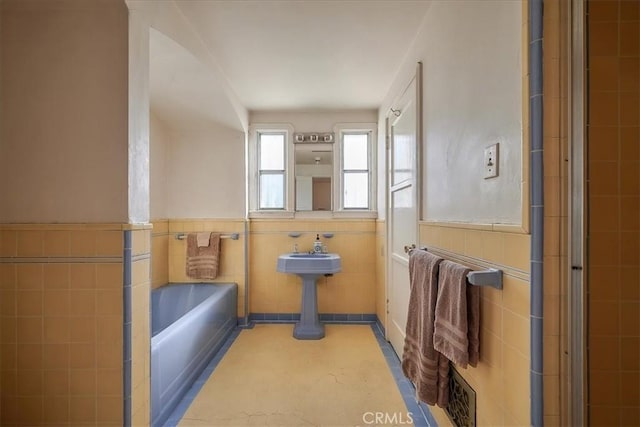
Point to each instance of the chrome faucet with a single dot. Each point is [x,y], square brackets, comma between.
[317,245]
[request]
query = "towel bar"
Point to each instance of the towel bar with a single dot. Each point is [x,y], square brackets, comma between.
[490,277]
[232,236]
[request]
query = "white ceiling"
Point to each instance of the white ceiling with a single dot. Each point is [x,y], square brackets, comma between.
[294,55]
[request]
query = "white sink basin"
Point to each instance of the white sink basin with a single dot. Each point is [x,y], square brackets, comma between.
[309,263]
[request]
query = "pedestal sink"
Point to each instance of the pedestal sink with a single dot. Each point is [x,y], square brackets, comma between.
[309,267]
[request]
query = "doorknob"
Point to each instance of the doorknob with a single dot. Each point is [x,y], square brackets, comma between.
[409,248]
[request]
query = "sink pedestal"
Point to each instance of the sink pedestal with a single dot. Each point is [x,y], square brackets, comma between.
[309,326]
[309,267]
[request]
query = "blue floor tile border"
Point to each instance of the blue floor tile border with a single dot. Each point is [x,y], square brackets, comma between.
[181,409]
[419,412]
[324,317]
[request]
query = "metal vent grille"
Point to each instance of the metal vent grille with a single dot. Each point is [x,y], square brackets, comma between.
[462,401]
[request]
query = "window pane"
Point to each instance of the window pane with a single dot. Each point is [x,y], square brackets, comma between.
[355,148]
[272,191]
[403,157]
[356,190]
[271,152]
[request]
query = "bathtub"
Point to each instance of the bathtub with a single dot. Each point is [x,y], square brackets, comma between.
[189,323]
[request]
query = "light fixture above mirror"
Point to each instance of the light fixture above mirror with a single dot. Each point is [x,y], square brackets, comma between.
[313,137]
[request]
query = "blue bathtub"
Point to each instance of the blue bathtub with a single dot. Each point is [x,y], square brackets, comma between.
[189,323]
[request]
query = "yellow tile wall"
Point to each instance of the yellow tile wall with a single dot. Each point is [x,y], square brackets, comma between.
[381,271]
[613,191]
[353,290]
[232,263]
[501,379]
[140,327]
[160,253]
[61,335]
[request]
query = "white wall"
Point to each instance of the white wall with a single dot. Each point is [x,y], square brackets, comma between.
[205,173]
[472,97]
[138,201]
[314,170]
[166,17]
[159,145]
[64,127]
[320,121]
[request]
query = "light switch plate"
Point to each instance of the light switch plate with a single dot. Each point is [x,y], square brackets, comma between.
[491,161]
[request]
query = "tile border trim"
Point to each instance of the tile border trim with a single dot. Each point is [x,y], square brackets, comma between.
[407,391]
[324,317]
[189,397]
[61,260]
[127,263]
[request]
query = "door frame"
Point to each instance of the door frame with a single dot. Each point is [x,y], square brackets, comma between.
[577,320]
[417,76]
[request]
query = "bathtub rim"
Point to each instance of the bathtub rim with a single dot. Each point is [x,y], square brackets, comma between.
[217,295]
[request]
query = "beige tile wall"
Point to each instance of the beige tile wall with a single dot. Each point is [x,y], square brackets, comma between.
[353,290]
[232,264]
[381,271]
[501,380]
[160,253]
[61,309]
[140,327]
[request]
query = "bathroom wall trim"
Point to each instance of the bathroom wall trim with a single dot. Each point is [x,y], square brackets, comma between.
[576,330]
[126,326]
[63,260]
[312,234]
[339,318]
[502,228]
[140,257]
[479,264]
[537,210]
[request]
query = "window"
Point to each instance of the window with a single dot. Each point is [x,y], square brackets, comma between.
[271,170]
[356,170]
[270,166]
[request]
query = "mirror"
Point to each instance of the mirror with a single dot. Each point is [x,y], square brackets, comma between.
[314,171]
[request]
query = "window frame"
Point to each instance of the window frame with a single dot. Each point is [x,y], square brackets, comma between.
[370,129]
[255,131]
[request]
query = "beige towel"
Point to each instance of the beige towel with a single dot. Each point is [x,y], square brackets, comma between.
[203,239]
[457,316]
[421,363]
[202,263]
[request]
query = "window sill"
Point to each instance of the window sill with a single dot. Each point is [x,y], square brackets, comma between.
[271,214]
[355,214]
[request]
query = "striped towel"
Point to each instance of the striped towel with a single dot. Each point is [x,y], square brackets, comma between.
[421,363]
[457,316]
[202,262]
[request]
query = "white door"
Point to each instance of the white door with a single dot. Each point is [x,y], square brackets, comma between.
[403,205]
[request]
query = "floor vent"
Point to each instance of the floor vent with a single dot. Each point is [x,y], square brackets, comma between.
[462,401]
